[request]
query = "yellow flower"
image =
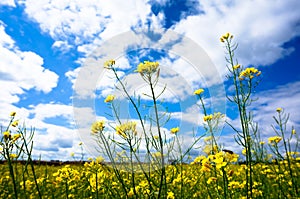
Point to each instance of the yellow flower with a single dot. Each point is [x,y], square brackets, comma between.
[249,72]
[293,131]
[109,63]
[15,123]
[174,130]
[131,192]
[226,37]
[236,66]
[126,129]
[80,143]
[262,142]
[13,156]
[275,139]
[147,67]
[207,118]
[244,151]
[16,136]
[211,179]
[12,114]
[72,154]
[155,137]
[170,195]
[97,126]
[198,92]
[279,110]
[99,159]
[109,98]
[6,134]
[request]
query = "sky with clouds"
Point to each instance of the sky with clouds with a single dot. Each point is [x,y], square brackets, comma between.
[52,54]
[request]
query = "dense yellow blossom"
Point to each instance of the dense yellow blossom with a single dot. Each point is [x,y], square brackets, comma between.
[109,63]
[97,126]
[208,117]
[174,130]
[109,98]
[6,134]
[275,139]
[199,91]
[236,66]
[16,136]
[211,179]
[226,37]
[12,114]
[170,195]
[126,129]
[13,156]
[15,123]
[147,68]
[249,73]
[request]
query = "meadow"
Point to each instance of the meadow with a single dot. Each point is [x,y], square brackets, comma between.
[261,170]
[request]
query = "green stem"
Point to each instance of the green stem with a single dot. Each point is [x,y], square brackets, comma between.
[163,174]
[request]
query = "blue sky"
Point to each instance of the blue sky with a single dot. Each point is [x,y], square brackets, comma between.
[47,73]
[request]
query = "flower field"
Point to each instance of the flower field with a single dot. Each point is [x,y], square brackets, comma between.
[96,180]
[166,169]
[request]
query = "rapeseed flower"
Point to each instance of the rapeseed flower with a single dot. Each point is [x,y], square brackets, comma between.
[293,131]
[13,114]
[211,179]
[170,195]
[275,139]
[109,63]
[15,123]
[199,91]
[109,98]
[279,110]
[208,118]
[13,156]
[236,66]
[226,37]
[147,68]
[16,136]
[249,73]
[174,130]
[128,128]
[97,126]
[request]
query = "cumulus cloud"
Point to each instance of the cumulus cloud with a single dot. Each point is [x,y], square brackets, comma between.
[8,3]
[285,96]
[86,23]
[20,71]
[257,27]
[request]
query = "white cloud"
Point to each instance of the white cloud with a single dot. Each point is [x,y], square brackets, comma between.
[8,3]
[257,26]
[285,96]
[86,23]
[20,71]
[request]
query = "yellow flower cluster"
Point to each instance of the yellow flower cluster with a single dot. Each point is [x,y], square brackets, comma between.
[97,126]
[275,139]
[147,68]
[214,116]
[236,66]
[108,64]
[249,73]
[207,118]
[225,37]
[174,130]
[198,92]
[126,129]
[109,98]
